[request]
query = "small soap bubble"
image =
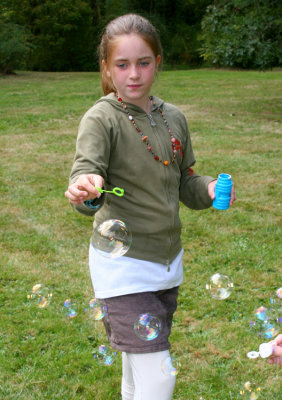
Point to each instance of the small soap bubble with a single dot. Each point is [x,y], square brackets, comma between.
[250,391]
[69,309]
[96,310]
[104,356]
[219,286]
[170,366]
[41,295]
[147,327]
[111,238]
[265,322]
[276,304]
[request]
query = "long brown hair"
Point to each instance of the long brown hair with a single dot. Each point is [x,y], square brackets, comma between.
[126,24]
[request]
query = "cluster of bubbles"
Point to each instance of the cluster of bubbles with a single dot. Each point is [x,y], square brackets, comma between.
[250,391]
[104,355]
[111,238]
[40,295]
[220,286]
[267,321]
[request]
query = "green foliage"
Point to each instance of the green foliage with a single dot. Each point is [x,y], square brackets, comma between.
[242,33]
[62,32]
[65,34]
[14,47]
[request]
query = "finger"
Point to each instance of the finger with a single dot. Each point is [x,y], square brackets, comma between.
[233,196]
[98,181]
[277,351]
[76,199]
[88,182]
[76,202]
[211,188]
[77,191]
[275,360]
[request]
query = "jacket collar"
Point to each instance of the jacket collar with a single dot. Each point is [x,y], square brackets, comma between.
[132,108]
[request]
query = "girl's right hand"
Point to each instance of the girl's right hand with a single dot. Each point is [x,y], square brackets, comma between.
[84,188]
[276,357]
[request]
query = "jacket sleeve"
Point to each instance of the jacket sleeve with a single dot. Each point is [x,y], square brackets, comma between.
[93,147]
[193,188]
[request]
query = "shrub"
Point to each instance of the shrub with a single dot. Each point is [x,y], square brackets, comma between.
[243,34]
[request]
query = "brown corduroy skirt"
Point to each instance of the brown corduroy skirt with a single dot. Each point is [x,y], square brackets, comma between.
[140,322]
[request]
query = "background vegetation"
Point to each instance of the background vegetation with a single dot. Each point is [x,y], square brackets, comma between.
[63,35]
[235,122]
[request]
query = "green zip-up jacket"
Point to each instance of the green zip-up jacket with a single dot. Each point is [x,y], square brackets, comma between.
[109,145]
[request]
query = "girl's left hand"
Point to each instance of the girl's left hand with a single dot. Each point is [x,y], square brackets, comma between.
[211,188]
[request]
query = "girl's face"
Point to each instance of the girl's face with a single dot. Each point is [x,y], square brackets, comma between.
[132,67]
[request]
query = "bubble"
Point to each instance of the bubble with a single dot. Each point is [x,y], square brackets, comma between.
[111,238]
[250,391]
[147,327]
[40,295]
[104,356]
[95,310]
[265,322]
[219,286]
[276,304]
[69,309]
[170,366]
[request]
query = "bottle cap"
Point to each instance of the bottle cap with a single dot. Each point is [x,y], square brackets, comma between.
[253,354]
[265,350]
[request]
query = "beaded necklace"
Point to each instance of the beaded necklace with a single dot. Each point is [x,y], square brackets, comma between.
[174,142]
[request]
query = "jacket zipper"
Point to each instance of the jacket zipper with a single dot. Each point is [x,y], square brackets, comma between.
[153,124]
[151,120]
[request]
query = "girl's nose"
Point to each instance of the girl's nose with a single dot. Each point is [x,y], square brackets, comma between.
[134,72]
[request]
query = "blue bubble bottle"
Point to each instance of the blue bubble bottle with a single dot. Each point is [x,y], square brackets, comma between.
[223,189]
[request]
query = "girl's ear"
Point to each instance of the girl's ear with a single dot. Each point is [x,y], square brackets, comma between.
[105,69]
[158,60]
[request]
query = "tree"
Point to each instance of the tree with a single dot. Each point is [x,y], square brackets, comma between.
[242,33]
[14,43]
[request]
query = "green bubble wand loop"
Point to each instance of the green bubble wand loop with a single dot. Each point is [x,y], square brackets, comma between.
[117,191]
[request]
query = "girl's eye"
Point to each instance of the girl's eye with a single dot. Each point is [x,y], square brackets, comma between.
[121,66]
[144,63]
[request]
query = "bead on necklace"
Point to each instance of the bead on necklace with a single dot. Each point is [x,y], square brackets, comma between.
[175,143]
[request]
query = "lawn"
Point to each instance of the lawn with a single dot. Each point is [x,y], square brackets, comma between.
[235,123]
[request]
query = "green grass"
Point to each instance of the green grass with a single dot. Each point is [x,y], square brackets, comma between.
[235,123]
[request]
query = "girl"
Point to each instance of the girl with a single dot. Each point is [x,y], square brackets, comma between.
[141,144]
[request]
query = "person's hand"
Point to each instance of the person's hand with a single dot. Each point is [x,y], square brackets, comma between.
[84,188]
[276,357]
[211,189]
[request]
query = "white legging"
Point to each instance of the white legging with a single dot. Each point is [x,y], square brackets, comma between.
[143,378]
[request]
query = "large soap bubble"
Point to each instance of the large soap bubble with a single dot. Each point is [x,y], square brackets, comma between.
[111,238]
[147,327]
[265,322]
[219,286]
